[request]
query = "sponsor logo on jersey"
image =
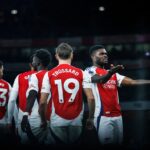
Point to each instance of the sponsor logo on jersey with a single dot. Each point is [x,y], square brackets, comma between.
[26,77]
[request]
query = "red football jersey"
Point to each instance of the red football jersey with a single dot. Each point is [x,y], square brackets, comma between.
[36,84]
[40,76]
[109,95]
[23,84]
[106,95]
[4,96]
[66,90]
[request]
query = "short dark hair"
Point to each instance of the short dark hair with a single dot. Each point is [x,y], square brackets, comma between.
[44,55]
[95,48]
[1,63]
[64,50]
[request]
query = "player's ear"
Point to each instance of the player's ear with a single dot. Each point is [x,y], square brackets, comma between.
[56,56]
[71,56]
[92,56]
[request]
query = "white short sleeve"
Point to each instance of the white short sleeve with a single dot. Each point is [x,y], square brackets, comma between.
[90,71]
[10,88]
[16,84]
[12,99]
[33,83]
[86,80]
[45,84]
[119,78]
[14,90]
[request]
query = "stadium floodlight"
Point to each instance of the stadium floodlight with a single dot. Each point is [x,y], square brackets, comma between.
[101,8]
[14,11]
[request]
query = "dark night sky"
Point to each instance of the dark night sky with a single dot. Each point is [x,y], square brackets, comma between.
[53,18]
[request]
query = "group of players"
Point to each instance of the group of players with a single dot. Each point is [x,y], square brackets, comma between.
[50,104]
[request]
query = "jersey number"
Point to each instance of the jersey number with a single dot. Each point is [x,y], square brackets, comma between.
[3,97]
[72,91]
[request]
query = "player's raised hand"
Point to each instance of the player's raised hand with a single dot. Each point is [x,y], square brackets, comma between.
[44,125]
[115,69]
[89,124]
[25,123]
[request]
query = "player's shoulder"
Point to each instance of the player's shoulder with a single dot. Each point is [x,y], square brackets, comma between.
[39,73]
[2,81]
[90,69]
[27,73]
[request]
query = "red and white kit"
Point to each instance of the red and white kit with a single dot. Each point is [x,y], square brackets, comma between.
[64,83]
[19,90]
[5,89]
[107,117]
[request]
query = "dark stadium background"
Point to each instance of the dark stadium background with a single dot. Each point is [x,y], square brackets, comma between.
[123,27]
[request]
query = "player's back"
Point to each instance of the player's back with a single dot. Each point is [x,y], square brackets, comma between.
[4,96]
[66,90]
[36,84]
[23,83]
[40,76]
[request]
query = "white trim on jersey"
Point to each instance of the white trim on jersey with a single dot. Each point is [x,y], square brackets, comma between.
[97,98]
[33,83]
[45,84]
[12,100]
[119,79]
[86,80]
[16,111]
[57,121]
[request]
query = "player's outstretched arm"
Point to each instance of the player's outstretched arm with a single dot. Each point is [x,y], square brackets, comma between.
[103,79]
[131,82]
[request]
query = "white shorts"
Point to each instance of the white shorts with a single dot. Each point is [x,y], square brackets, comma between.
[110,129]
[40,134]
[66,134]
[35,136]
[23,135]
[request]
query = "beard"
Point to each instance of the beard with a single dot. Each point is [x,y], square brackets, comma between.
[98,62]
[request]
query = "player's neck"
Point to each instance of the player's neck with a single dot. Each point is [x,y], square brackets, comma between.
[64,62]
[41,68]
[99,66]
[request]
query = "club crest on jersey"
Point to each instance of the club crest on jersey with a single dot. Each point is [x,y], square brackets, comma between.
[1,84]
[27,77]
